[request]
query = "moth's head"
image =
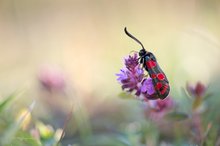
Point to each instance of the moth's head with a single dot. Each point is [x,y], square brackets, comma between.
[142,52]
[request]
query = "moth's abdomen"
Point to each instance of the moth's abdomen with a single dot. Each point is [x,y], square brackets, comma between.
[162,88]
[161,84]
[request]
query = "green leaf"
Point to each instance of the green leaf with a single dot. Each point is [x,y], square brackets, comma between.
[125,95]
[6,101]
[14,127]
[208,95]
[176,116]
[25,139]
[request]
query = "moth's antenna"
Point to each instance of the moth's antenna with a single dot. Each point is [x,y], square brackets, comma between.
[134,38]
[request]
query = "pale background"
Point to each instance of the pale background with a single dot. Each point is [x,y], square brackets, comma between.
[85,39]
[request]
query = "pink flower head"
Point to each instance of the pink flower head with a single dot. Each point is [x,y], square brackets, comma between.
[164,105]
[52,78]
[157,109]
[197,90]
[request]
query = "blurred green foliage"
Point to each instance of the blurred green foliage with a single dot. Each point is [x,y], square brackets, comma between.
[122,123]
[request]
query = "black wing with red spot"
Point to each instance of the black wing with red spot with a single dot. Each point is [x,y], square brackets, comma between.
[161,84]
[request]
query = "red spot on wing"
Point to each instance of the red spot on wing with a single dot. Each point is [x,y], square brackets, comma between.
[153,76]
[150,64]
[164,89]
[159,85]
[160,76]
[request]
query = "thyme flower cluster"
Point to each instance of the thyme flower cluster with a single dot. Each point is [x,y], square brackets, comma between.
[133,79]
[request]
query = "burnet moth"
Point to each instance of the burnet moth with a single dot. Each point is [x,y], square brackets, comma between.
[149,62]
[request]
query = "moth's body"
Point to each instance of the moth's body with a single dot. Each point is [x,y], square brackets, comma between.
[160,82]
[149,62]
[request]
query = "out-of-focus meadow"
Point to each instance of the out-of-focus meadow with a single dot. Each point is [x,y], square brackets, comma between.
[59,59]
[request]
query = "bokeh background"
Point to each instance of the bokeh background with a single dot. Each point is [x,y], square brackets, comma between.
[83,42]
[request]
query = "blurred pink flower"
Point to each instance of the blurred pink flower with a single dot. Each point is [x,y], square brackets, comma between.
[52,78]
[156,109]
[163,105]
[35,133]
[198,90]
